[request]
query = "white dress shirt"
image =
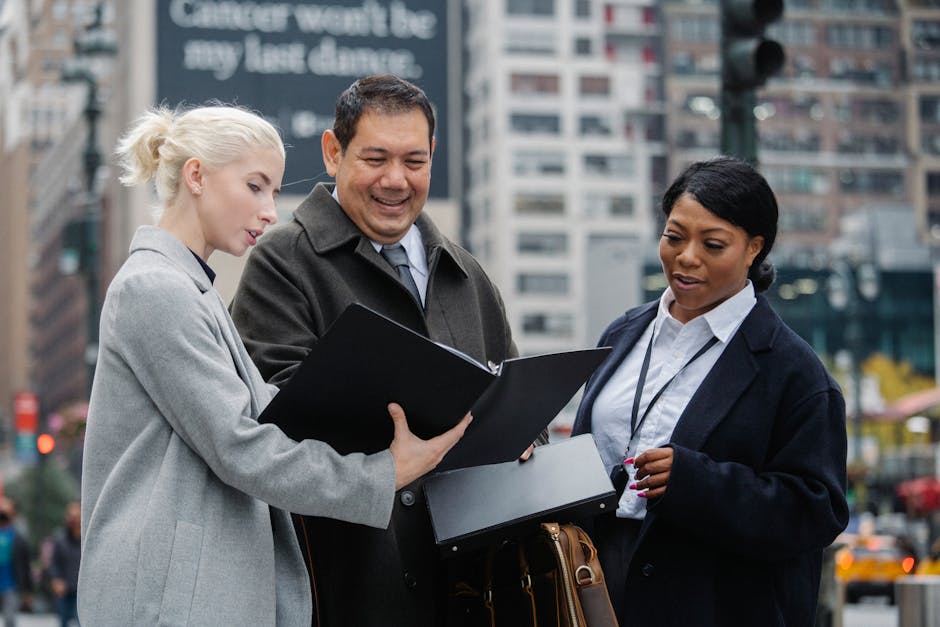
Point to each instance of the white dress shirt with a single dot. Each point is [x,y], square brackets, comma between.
[417,259]
[674,344]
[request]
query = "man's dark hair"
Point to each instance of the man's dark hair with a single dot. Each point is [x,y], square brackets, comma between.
[381,93]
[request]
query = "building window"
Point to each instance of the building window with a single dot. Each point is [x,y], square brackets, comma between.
[60,10]
[702,139]
[608,205]
[926,70]
[803,219]
[859,36]
[535,123]
[582,8]
[548,324]
[542,283]
[538,162]
[695,29]
[925,35]
[800,140]
[582,46]
[594,125]
[930,109]
[877,182]
[869,72]
[534,83]
[797,180]
[930,143]
[531,42]
[530,7]
[553,244]
[609,165]
[798,34]
[594,86]
[540,204]
[850,143]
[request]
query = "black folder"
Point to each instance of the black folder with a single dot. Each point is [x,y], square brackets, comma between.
[481,506]
[340,392]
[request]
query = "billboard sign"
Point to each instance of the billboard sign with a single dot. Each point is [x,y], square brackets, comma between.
[290,60]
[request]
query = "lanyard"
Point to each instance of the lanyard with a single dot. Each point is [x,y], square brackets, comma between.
[634,425]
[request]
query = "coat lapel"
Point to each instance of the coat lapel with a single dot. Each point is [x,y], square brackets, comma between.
[731,375]
[160,241]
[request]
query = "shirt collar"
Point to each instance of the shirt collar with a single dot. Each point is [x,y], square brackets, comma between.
[723,320]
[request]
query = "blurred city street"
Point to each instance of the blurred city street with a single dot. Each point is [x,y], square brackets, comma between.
[37,620]
[870,615]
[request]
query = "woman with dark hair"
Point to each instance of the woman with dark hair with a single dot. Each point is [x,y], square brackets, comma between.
[724,432]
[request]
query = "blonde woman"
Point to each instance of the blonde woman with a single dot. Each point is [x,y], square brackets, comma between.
[184,494]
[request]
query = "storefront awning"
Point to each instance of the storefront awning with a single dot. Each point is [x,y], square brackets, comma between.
[910,405]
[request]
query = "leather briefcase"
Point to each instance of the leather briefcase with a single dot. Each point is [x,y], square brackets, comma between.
[550,578]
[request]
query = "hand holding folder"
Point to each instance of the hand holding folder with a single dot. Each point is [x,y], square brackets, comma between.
[340,392]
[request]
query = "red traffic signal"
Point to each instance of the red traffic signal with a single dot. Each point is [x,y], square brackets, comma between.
[45,443]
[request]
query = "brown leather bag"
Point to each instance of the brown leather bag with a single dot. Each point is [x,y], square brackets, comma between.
[552,578]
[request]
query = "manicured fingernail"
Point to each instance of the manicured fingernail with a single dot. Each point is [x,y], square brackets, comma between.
[628,460]
[632,486]
[642,495]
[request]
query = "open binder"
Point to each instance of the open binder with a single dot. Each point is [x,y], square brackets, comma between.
[340,392]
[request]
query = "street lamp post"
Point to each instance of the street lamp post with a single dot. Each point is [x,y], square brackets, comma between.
[83,234]
[850,287]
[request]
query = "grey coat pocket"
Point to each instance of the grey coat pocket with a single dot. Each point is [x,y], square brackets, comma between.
[181,574]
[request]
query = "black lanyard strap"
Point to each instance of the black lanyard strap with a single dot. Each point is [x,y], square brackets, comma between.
[634,425]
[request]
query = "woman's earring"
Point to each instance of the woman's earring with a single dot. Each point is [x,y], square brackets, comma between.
[197,190]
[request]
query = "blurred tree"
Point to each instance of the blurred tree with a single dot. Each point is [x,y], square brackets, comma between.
[895,379]
[41,493]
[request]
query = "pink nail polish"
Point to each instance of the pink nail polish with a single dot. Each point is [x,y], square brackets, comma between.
[642,495]
[628,460]
[632,486]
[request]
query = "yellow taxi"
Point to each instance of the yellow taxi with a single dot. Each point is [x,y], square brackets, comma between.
[868,565]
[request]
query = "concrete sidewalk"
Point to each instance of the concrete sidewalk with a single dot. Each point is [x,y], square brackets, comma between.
[37,620]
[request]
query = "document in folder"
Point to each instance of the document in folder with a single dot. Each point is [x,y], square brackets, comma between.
[340,392]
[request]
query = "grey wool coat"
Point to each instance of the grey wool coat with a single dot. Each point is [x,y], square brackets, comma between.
[184,494]
[297,281]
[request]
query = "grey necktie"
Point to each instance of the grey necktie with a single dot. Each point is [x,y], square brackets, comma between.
[398,258]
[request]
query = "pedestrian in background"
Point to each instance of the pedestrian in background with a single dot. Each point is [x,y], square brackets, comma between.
[64,562]
[724,432]
[184,494]
[16,582]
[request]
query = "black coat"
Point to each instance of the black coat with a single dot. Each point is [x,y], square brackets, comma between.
[757,487]
[297,281]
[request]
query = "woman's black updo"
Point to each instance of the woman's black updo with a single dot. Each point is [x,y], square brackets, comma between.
[734,191]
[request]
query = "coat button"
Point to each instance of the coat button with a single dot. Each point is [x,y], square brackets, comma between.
[410,580]
[648,569]
[407,498]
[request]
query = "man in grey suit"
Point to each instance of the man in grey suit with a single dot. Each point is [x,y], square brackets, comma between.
[334,253]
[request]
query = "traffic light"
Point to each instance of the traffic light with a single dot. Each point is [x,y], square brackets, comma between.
[747,60]
[45,443]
